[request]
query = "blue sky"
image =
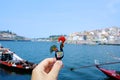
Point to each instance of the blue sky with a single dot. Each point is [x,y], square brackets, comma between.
[42,18]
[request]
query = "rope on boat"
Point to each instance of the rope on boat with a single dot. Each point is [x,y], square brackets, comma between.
[107,63]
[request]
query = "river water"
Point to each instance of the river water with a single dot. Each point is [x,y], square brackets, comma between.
[74,57]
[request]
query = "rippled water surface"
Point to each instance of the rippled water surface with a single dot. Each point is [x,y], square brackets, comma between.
[75,56]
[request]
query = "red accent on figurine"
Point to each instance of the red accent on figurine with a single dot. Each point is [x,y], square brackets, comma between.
[61,38]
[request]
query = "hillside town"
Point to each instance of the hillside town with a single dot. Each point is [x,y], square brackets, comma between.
[107,36]
[10,36]
[101,36]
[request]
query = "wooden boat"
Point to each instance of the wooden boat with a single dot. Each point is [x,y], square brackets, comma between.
[115,75]
[12,62]
[110,73]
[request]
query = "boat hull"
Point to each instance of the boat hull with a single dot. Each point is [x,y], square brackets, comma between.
[20,70]
[110,73]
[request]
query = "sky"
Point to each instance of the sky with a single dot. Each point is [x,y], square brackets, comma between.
[42,18]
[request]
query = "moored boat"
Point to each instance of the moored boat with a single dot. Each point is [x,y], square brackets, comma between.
[12,62]
[110,73]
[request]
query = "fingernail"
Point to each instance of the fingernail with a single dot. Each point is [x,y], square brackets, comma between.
[59,62]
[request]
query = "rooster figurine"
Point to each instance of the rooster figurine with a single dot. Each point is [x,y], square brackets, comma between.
[59,54]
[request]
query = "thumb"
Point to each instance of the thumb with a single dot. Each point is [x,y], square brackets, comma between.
[56,68]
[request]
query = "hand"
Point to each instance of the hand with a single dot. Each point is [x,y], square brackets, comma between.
[48,69]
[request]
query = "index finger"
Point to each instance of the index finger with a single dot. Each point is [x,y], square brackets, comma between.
[45,63]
